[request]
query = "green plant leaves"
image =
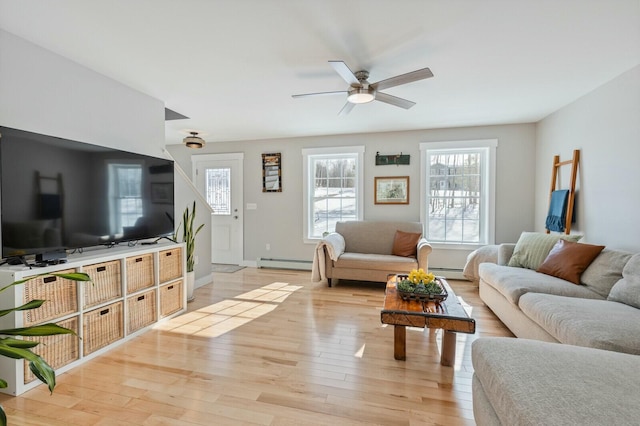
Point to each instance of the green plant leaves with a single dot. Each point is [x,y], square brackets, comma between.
[20,349]
[27,306]
[38,330]
[16,343]
[16,353]
[189,235]
[44,372]
[74,276]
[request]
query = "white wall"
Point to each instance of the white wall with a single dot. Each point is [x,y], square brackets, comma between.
[605,126]
[278,219]
[45,93]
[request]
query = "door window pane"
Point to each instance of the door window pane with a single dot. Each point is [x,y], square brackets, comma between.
[218,190]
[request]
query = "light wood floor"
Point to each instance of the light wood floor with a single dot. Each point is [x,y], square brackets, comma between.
[269,347]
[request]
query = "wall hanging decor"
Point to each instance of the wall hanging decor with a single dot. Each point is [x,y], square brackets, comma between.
[271,172]
[391,190]
[397,159]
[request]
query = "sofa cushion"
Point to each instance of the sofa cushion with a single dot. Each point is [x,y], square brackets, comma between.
[532,248]
[605,271]
[598,324]
[405,244]
[514,282]
[627,290]
[379,262]
[568,260]
[537,383]
[373,237]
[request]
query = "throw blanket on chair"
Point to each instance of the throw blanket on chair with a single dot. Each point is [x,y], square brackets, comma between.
[334,244]
[557,216]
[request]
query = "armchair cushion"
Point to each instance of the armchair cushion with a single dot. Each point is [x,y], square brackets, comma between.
[405,244]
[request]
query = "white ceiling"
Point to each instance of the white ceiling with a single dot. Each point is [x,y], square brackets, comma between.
[232,65]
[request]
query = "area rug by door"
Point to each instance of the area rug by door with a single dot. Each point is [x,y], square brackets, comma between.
[219,267]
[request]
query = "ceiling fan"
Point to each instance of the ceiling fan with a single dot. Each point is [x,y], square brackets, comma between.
[361,91]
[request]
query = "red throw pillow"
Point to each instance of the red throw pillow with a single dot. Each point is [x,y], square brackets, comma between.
[568,260]
[405,244]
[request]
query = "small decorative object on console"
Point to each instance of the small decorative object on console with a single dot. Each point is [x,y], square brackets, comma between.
[421,286]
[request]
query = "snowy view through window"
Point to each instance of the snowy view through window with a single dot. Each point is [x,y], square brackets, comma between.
[334,192]
[454,201]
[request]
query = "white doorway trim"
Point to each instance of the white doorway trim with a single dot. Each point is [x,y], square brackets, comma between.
[198,162]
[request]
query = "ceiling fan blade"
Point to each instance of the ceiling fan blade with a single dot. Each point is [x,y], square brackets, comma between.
[346,109]
[403,79]
[304,95]
[394,100]
[344,71]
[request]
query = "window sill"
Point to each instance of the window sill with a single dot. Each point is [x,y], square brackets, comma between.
[457,246]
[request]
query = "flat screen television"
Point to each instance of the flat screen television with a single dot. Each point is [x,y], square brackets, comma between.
[58,194]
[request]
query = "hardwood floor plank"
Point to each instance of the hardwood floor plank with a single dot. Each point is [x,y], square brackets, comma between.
[270,347]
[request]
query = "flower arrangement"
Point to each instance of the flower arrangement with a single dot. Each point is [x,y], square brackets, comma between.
[420,284]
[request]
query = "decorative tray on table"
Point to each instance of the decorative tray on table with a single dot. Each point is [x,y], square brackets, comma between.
[421,292]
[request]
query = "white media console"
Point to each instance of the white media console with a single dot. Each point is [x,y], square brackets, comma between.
[132,288]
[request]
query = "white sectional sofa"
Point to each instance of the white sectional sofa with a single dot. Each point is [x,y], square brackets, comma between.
[593,365]
[521,382]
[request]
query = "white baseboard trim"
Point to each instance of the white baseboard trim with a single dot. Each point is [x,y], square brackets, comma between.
[449,273]
[207,279]
[303,265]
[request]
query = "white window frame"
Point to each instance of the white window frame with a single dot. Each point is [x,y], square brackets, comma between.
[488,181]
[116,222]
[310,153]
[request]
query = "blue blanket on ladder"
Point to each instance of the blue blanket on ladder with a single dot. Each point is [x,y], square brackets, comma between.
[557,216]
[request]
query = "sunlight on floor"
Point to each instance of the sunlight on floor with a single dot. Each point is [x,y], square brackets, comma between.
[224,316]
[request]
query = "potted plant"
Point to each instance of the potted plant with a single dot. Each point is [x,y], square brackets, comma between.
[189,237]
[11,347]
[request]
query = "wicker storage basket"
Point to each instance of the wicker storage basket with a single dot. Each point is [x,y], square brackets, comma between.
[142,310]
[106,283]
[58,350]
[171,298]
[139,272]
[61,297]
[102,326]
[170,264]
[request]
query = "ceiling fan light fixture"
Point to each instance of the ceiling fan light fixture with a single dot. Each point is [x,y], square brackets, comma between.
[194,141]
[360,95]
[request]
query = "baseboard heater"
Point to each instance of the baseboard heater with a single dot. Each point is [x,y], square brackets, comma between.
[451,273]
[304,265]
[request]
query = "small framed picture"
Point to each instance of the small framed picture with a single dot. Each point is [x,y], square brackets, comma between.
[391,190]
[272,172]
[162,193]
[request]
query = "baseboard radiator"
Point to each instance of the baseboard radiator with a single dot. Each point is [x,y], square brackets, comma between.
[303,265]
[450,273]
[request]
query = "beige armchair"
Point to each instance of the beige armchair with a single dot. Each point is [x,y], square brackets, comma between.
[368,251]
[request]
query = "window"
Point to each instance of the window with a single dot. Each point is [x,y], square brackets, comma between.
[125,190]
[332,188]
[218,190]
[458,195]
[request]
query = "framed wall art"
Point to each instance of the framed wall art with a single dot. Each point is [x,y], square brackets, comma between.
[162,192]
[271,172]
[391,190]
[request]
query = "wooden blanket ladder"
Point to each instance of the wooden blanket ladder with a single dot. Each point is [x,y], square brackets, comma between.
[572,189]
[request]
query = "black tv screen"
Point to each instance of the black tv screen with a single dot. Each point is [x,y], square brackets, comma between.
[58,194]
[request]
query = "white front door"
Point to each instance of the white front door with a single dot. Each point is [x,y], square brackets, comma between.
[219,178]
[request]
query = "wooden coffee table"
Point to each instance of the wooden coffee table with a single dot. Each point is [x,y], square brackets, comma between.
[448,315]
